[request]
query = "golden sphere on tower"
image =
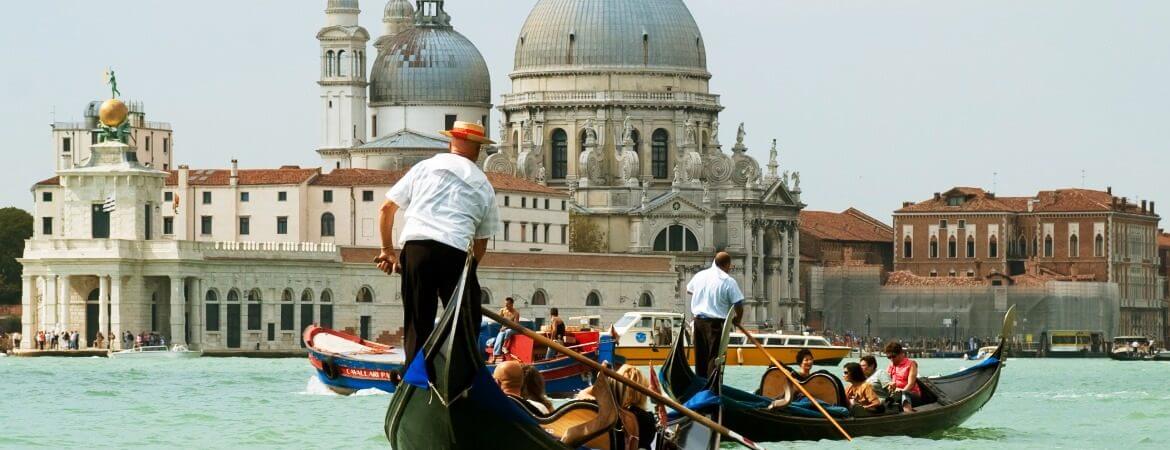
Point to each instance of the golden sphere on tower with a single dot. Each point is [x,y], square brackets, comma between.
[113,112]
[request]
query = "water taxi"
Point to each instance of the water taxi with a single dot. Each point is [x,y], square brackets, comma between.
[157,351]
[645,337]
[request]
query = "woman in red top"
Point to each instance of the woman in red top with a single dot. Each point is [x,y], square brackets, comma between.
[904,373]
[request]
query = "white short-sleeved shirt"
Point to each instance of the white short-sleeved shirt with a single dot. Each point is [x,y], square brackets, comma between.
[713,293]
[446,198]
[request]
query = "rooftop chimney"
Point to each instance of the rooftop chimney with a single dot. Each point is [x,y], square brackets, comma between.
[234,179]
[937,196]
[184,175]
[1109,190]
[1152,207]
[907,204]
[1143,206]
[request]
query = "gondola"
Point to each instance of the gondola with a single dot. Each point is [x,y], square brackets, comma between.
[948,401]
[448,400]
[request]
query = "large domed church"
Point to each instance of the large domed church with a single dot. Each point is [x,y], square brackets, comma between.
[611,102]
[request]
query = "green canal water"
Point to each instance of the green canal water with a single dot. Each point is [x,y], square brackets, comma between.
[247,403]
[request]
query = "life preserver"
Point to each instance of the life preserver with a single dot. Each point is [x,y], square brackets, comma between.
[329,367]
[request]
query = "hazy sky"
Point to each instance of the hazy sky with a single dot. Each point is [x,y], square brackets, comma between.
[874,102]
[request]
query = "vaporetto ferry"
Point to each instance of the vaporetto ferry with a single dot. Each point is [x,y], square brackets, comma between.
[645,337]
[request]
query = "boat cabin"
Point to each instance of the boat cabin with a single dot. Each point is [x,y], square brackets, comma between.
[779,340]
[647,328]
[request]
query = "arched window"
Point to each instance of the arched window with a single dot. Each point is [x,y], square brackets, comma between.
[992,247]
[326,296]
[94,295]
[326,308]
[593,299]
[645,301]
[327,225]
[970,246]
[676,238]
[485,297]
[286,296]
[365,295]
[1099,246]
[286,310]
[1022,246]
[343,62]
[560,154]
[952,248]
[933,247]
[539,298]
[1035,247]
[211,310]
[233,296]
[1074,246]
[254,315]
[658,153]
[907,248]
[329,63]
[307,296]
[1047,246]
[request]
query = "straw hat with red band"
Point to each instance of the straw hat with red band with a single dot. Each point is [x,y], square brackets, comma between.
[469,131]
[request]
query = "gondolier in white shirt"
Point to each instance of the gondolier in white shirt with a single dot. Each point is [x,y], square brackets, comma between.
[714,294]
[448,202]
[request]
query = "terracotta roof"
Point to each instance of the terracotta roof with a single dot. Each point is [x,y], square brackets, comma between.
[555,261]
[248,177]
[1164,240]
[359,177]
[505,182]
[849,225]
[55,181]
[1057,200]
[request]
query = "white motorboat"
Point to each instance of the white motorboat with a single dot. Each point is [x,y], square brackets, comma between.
[158,351]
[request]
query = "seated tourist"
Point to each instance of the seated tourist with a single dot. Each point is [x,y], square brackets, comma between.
[632,401]
[903,372]
[873,376]
[509,375]
[862,400]
[533,389]
[804,357]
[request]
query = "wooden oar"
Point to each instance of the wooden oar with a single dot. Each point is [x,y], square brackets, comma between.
[792,380]
[620,378]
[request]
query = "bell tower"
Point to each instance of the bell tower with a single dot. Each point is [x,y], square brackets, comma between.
[342,81]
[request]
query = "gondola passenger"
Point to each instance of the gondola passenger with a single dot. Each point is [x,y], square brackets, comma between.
[633,401]
[862,400]
[533,390]
[804,357]
[904,377]
[873,376]
[509,375]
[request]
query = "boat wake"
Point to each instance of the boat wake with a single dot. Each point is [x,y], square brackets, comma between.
[315,387]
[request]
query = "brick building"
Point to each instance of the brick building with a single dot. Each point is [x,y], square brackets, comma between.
[1058,235]
[831,244]
[1164,281]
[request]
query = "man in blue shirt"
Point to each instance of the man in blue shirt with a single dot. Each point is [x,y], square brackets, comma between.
[714,294]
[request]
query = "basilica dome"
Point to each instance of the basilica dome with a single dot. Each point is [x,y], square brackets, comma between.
[429,64]
[610,34]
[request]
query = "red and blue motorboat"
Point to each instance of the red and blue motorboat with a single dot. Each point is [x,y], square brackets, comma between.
[346,363]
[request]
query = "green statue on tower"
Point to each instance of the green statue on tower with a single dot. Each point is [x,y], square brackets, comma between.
[113,113]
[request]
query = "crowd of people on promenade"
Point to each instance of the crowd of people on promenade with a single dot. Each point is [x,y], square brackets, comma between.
[72,340]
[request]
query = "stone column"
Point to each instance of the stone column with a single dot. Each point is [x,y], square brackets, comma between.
[116,311]
[178,305]
[796,301]
[26,311]
[49,319]
[785,295]
[749,233]
[63,297]
[103,306]
[761,287]
[195,310]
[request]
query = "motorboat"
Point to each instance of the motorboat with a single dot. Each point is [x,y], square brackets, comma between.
[177,351]
[982,353]
[1130,348]
[646,337]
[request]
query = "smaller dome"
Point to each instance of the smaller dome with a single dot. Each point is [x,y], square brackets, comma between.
[398,9]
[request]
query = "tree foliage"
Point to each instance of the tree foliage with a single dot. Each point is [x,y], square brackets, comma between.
[16,225]
[585,236]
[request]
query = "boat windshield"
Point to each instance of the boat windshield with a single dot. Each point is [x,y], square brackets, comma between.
[735,340]
[818,342]
[797,342]
[625,321]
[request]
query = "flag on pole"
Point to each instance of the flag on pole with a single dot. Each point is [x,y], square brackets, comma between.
[110,205]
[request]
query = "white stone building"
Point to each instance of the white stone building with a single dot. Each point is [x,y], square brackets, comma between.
[610,101]
[153,141]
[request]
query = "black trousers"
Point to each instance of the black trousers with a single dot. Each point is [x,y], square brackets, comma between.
[708,334]
[430,272]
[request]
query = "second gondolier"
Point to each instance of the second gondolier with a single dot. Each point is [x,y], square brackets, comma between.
[447,202]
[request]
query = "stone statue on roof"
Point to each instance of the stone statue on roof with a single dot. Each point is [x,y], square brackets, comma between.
[796,181]
[690,133]
[590,132]
[739,135]
[627,131]
[714,133]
